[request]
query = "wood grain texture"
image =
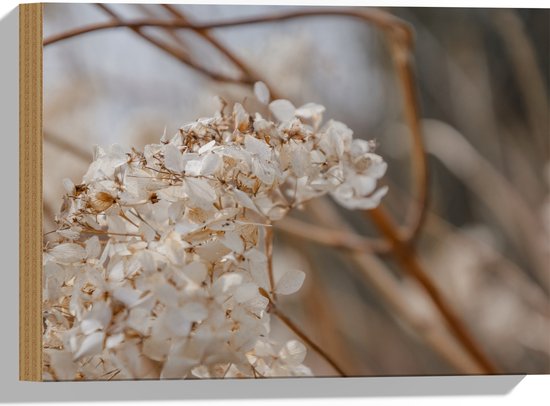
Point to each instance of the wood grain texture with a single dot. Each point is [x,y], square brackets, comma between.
[30,192]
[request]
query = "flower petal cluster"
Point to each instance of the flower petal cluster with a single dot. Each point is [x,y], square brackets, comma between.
[157,269]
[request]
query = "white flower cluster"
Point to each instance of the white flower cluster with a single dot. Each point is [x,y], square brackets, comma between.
[157,269]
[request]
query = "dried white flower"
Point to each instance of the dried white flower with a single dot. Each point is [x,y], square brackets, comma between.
[158,272]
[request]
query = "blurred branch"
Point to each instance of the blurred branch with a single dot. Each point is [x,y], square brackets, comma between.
[381,19]
[328,236]
[303,336]
[171,33]
[532,85]
[507,270]
[179,54]
[321,312]
[406,257]
[402,54]
[391,291]
[452,149]
[248,74]
[67,146]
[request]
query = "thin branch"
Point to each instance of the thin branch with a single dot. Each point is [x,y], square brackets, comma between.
[67,146]
[250,76]
[401,52]
[303,336]
[391,291]
[379,18]
[406,257]
[268,242]
[330,237]
[171,33]
[476,173]
[101,232]
[532,84]
[180,55]
[326,320]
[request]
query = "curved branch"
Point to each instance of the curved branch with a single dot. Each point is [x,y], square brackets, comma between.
[175,52]
[212,40]
[416,212]
[407,259]
[303,336]
[385,21]
[330,237]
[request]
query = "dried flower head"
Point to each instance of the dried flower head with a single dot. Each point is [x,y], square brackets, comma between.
[158,271]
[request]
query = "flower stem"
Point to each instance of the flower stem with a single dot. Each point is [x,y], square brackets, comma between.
[303,336]
[268,240]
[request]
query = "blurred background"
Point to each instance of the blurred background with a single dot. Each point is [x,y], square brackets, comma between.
[483,84]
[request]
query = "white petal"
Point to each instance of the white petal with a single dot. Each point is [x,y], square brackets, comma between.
[290,282]
[241,117]
[293,352]
[63,365]
[93,247]
[262,92]
[210,164]
[246,292]
[207,147]
[257,147]
[88,326]
[114,340]
[200,191]
[227,282]
[68,253]
[233,241]
[195,311]
[244,200]
[156,349]
[193,167]
[129,297]
[91,345]
[68,185]
[69,234]
[172,158]
[117,272]
[196,271]
[177,367]
[282,109]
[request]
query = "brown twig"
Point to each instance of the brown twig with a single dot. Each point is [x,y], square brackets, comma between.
[392,292]
[304,337]
[406,257]
[476,173]
[177,53]
[67,146]
[268,243]
[330,237]
[247,72]
[532,84]
[322,315]
[379,18]
[401,52]
[171,33]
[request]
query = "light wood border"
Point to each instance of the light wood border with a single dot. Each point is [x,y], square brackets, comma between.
[30,192]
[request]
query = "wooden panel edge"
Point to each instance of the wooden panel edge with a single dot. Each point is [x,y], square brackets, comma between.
[30,192]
